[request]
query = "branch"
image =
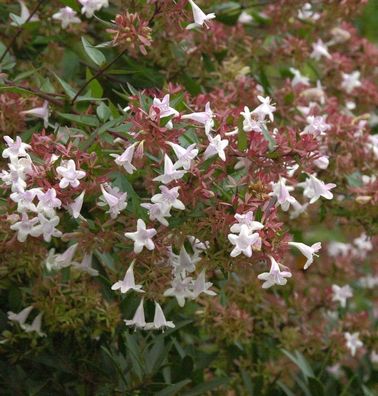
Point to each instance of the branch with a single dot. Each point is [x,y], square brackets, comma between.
[20,30]
[99,73]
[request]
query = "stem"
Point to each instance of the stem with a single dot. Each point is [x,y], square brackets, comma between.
[20,30]
[99,72]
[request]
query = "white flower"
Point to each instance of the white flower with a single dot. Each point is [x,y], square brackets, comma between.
[157,211]
[40,112]
[315,188]
[249,124]
[170,172]
[200,18]
[169,198]
[75,207]
[142,237]
[374,357]
[116,200]
[243,242]
[125,159]
[46,228]
[184,262]
[24,227]
[308,251]
[201,286]
[298,78]
[24,200]
[282,193]
[316,126]
[66,16]
[25,14]
[16,148]
[245,18]
[247,219]
[159,320]
[164,110]
[363,242]
[48,202]
[322,162]
[180,290]
[275,276]
[307,13]
[265,109]
[338,249]
[184,156]
[298,209]
[69,174]
[90,6]
[341,294]
[319,49]
[216,147]
[353,342]
[128,282]
[138,321]
[86,265]
[197,245]
[350,81]
[35,326]
[62,260]
[204,117]
[20,317]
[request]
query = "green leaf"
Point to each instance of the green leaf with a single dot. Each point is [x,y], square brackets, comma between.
[67,87]
[268,137]
[173,389]
[316,387]
[298,359]
[94,54]
[88,120]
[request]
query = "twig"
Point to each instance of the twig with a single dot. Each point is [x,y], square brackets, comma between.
[99,72]
[20,30]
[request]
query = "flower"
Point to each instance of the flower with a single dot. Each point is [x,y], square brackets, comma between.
[307,13]
[157,212]
[315,188]
[184,156]
[75,207]
[169,198]
[184,262]
[282,193]
[265,109]
[245,18]
[67,16]
[138,321]
[69,174]
[216,146]
[204,117]
[163,108]
[308,251]
[62,260]
[247,219]
[142,237]
[275,276]
[350,81]
[128,282]
[243,242]
[35,326]
[46,227]
[249,124]
[40,112]
[322,162]
[20,317]
[16,148]
[116,200]
[319,49]
[159,320]
[170,172]
[48,202]
[201,286]
[180,290]
[90,6]
[352,342]
[199,16]
[316,126]
[298,78]
[85,265]
[341,294]
[24,200]
[25,14]
[24,227]
[125,159]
